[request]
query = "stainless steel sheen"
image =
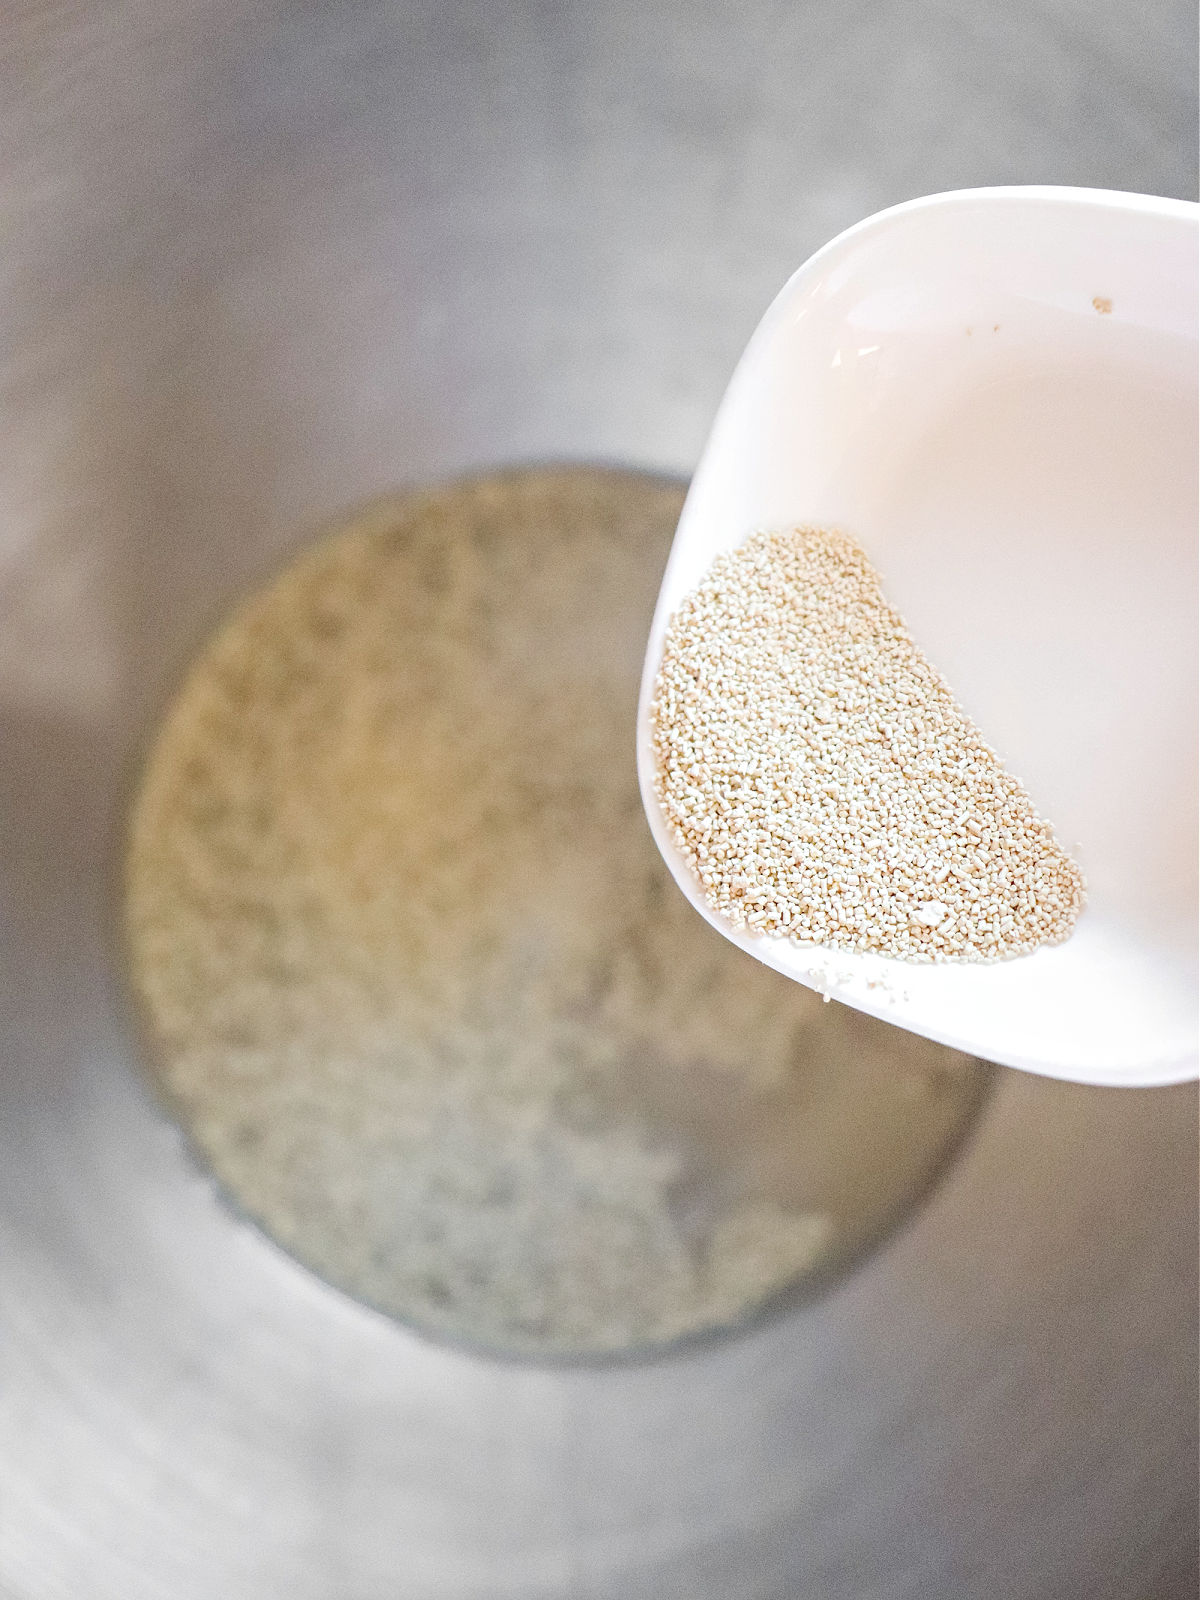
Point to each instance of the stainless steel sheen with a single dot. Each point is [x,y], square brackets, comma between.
[262,261]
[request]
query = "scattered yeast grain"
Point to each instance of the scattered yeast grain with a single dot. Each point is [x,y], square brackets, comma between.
[823,783]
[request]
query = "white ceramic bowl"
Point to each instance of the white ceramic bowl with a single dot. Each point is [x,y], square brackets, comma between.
[994,390]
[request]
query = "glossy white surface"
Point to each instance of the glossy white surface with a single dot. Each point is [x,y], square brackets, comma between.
[995,392]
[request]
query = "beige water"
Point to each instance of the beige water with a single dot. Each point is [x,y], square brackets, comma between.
[417,983]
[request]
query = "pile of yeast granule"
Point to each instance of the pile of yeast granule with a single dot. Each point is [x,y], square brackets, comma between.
[416,981]
[418,984]
[821,780]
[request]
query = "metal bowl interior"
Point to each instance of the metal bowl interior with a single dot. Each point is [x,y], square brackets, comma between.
[271,263]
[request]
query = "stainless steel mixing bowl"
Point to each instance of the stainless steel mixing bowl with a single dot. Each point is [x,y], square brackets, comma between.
[261,261]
